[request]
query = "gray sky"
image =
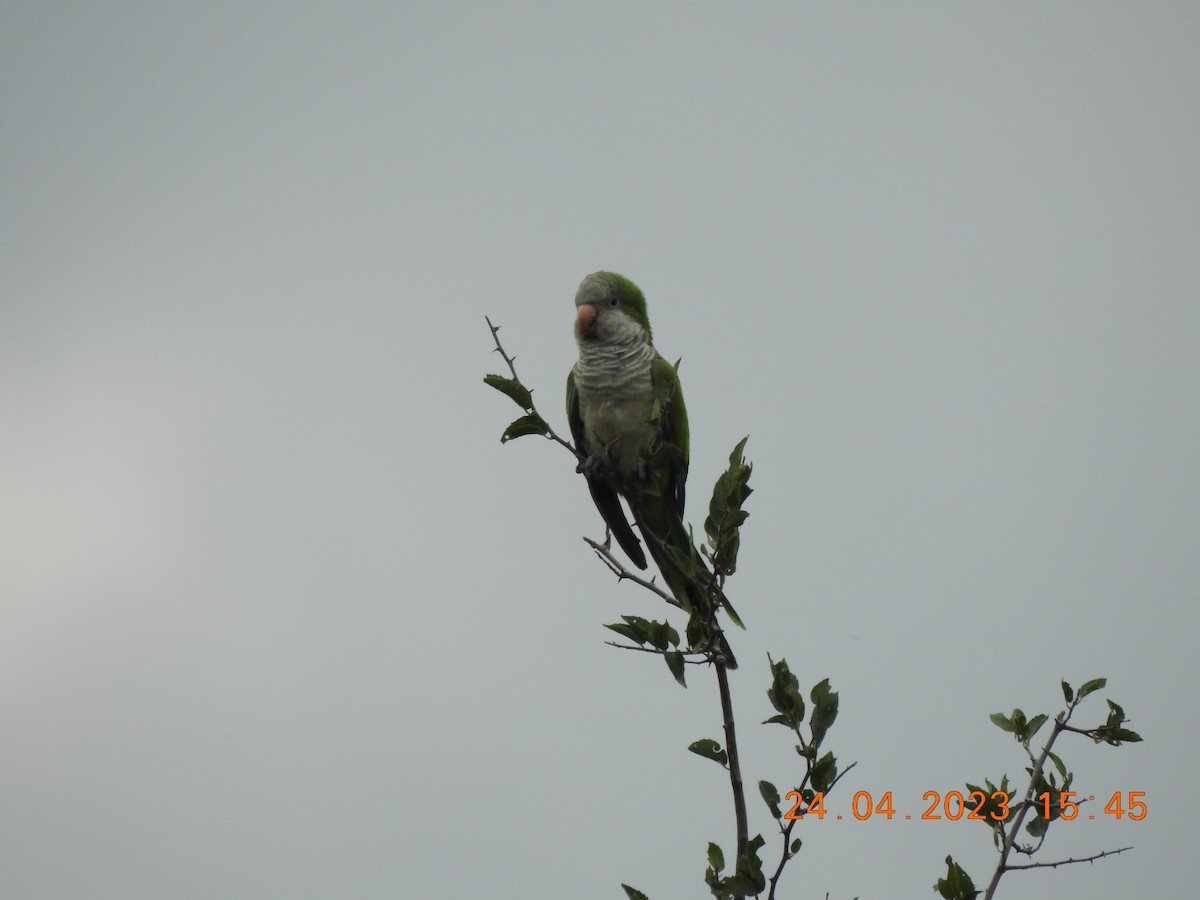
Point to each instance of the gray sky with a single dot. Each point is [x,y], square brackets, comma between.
[280,617]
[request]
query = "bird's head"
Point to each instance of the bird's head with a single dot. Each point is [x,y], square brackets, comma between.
[609,308]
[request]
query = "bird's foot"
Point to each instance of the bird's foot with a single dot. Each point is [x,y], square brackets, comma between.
[597,468]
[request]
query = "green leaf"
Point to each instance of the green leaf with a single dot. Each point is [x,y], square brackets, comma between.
[725,513]
[628,629]
[825,710]
[1000,720]
[1089,686]
[1034,724]
[824,772]
[633,893]
[662,635]
[1058,763]
[1117,736]
[675,663]
[749,867]
[709,749]
[514,389]
[659,635]
[1018,721]
[1068,693]
[795,847]
[716,859]
[770,795]
[784,694]
[989,806]
[530,424]
[957,884]
[1037,826]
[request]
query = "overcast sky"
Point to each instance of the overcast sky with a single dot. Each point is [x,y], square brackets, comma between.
[281,618]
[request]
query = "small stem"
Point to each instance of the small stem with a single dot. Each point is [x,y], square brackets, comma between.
[702,661]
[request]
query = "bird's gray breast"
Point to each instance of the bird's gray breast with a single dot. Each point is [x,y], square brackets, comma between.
[616,398]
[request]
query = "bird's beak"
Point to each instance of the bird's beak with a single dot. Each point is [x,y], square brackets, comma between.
[585,319]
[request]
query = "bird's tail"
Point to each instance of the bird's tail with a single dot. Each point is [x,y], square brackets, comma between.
[692,584]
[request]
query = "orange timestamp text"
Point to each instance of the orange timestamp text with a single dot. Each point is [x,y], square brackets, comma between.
[975,806]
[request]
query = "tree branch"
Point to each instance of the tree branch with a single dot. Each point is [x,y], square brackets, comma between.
[1067,862]
[1060,722]
[735,767]
[510,361]
[786,831]
[618,568]
[703,661]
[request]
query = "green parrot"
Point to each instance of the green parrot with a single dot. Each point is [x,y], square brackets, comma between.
[628,419]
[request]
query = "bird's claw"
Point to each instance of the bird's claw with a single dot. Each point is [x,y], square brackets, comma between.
[596,468]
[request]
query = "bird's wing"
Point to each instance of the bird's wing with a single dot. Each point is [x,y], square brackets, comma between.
[673,430]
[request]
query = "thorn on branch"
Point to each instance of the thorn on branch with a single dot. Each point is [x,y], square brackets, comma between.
[702,661]
[510,362]
[622,573]
[1067,862]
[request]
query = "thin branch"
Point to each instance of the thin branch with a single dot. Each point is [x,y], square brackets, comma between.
[703,661]
[510,360]
[786,831]
[1067,862]
[1030,849]
[622,573]
[840,776]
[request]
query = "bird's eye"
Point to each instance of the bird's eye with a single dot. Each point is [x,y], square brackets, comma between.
[613,302]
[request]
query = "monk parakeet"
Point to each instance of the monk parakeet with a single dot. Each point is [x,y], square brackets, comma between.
[627,417]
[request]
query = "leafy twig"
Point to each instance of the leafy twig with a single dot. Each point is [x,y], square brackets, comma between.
[534,421]
[1023,729]
[786,831]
